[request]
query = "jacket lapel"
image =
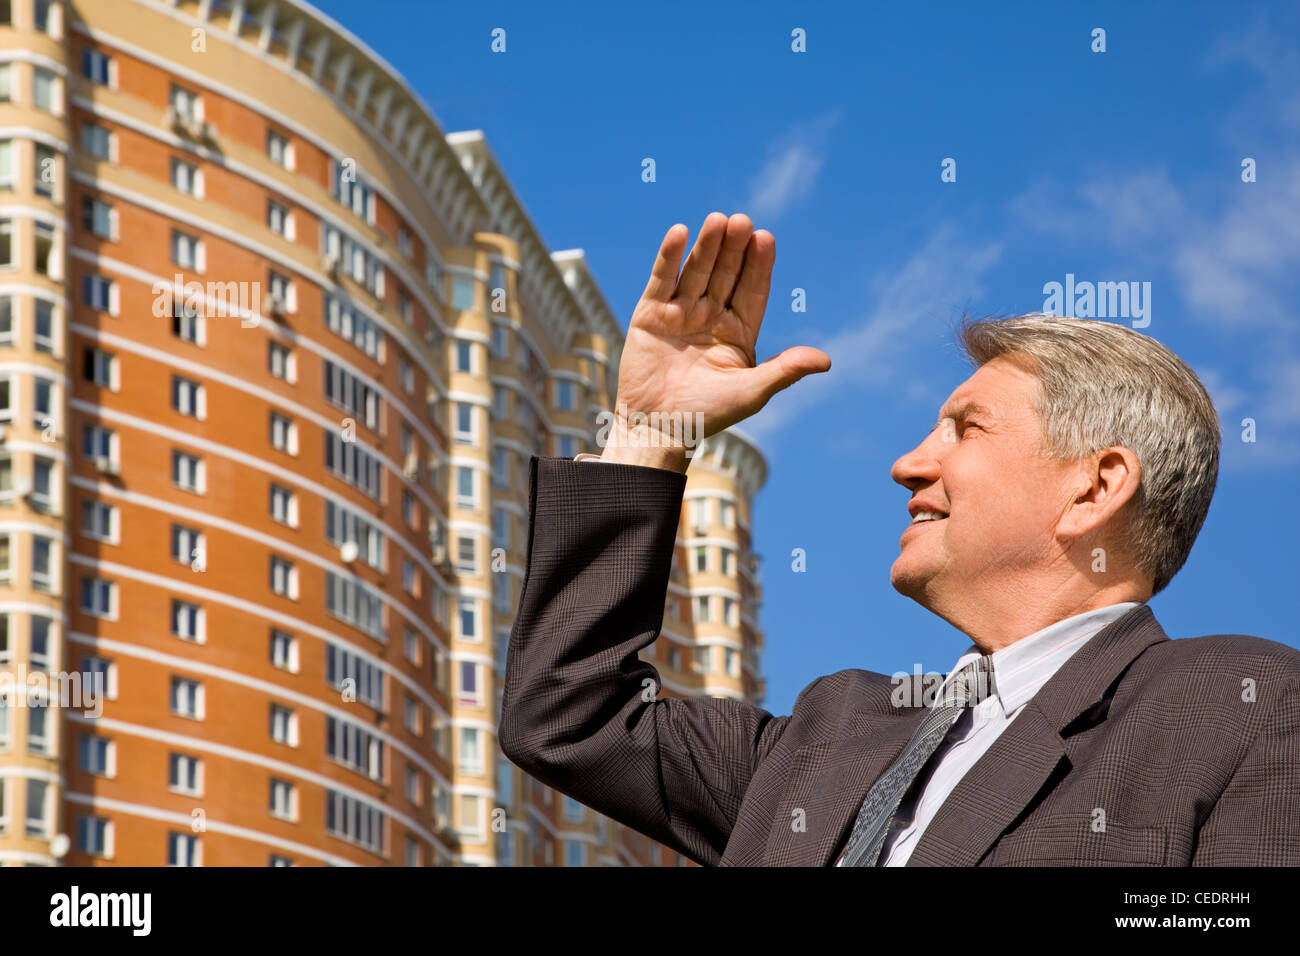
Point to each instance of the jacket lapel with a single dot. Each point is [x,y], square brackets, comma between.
[1002,783]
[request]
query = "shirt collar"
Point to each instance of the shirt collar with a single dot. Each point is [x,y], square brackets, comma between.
[1020,669]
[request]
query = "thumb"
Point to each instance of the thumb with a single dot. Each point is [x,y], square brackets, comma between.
[784,369]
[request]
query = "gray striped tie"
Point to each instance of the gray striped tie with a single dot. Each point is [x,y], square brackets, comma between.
[969,686]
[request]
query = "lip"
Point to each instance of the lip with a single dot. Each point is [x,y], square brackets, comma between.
[914,527]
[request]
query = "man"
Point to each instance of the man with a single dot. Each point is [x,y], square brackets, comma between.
[1062,487]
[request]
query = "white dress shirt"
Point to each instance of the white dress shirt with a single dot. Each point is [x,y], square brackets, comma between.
[1019,670]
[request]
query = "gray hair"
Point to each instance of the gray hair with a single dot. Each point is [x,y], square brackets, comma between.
[1103,384]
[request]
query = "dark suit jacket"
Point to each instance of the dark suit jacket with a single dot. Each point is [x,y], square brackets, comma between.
[1140,750]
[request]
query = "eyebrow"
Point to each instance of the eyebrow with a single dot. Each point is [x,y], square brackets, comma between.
[961,413]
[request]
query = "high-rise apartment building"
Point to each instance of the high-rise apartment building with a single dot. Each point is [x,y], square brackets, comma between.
[275,351]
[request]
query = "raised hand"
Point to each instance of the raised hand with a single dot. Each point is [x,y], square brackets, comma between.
[690,343]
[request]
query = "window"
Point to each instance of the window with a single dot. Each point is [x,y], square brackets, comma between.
[727,514]
[462,293]
[42,496]
[183,849]
[411,716]
[37,820]
[99,293]
[404,306]
[567,446]
[349,819]
[43,326]
[187,178]
[99,520]
[704,659]
[187,698]
[406,373]
[6,82]
[284,577]
[98,143]
[574,812]
[501,596]
[343,525]
[566,398]
[468,619]
[187,251]
[6,242]
[699,510]
[6,320]
[98,217]
[365,678]
[279,149]
[95,835]
[411,646]
[466,560]
[39,653]
[45,91]
[7,177]
[470,690]
[465,424]
[501,467]
[188,472]
[280,219]
[408,508]
[284,725]
[186,103]
[351,190]
[280,360]
[284,799]
[471,754]
[500,340]
[46,262]
[351,463]
[728,561]
[43,18]
[701,558]
[729,612]
[284,506]
[500,528]
[351,394]
[347,322]
[45,171]
[284,433]
[189,547]
[277,860]
[404,241]
[575,853]
[6,559]
[284,650]
[96,755]
[464,357]
[41,564]
[101,674]
[187,621]
[187,320]
[99,597]
[350,600]
[354,260]
[732,662]
[185,774]
[354,747]
[6,643]
[410,578]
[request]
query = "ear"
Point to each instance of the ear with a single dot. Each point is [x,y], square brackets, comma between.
[1105,482]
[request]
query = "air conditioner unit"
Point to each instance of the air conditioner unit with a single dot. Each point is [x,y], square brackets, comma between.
[331,264]
[173,120]
[202,130]
[105,465]
[275,305]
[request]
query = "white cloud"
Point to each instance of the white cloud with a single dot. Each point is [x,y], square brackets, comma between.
[791,169]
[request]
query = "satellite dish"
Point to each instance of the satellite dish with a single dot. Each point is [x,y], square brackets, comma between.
[60,845]
[348,551]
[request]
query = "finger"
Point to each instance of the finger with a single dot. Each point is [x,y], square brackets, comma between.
[663,276]
[730,259]
[783,370]
[750,296]
[699,264]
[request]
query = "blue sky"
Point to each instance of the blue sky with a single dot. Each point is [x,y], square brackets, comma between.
[1122,165]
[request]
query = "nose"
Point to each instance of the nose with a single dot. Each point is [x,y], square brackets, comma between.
[918,468]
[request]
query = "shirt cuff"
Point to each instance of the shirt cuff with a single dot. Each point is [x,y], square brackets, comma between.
[588,456]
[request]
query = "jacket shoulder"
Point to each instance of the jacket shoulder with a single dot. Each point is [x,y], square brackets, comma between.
[1217,650]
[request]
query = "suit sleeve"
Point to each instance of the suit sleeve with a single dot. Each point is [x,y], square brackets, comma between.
[579,707]
[1256,821]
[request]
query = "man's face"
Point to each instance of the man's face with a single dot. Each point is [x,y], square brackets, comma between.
[1002,501]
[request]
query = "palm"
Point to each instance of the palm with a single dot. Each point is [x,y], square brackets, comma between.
[690,345]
